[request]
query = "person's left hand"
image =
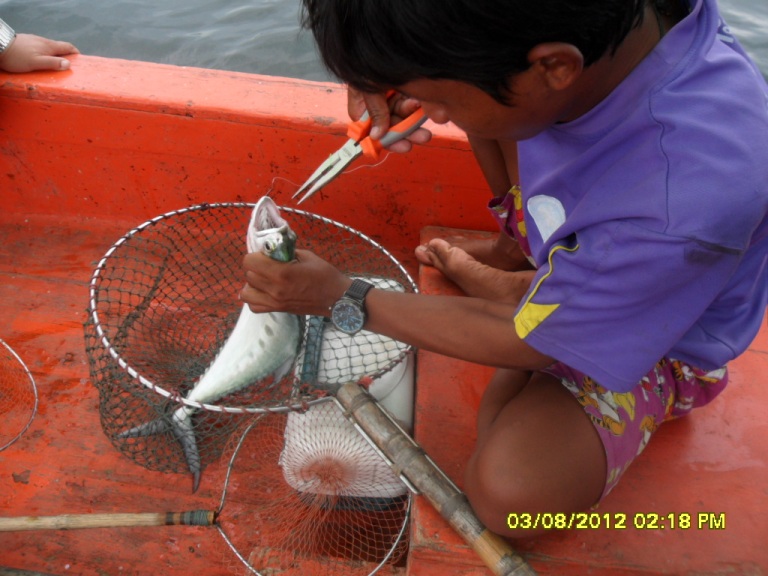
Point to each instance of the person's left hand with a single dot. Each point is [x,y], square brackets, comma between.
[29,52]
[306,285]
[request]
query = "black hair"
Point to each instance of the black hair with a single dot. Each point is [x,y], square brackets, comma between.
[374,45]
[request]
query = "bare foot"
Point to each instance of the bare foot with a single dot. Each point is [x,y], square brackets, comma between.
[500,252]
[472,276]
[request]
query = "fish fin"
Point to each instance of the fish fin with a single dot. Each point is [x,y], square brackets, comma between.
[283,370]
[147,429]
[181,426]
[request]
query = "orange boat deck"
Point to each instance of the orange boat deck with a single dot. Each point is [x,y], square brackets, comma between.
[89,154]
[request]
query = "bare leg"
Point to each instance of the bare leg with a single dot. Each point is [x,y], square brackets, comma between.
[503,387]
[498,162]
[537,451]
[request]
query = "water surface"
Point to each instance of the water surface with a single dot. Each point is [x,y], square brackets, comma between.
[259,36]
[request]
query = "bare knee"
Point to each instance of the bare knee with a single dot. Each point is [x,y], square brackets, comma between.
[541,455]
[496,493]
[517,499]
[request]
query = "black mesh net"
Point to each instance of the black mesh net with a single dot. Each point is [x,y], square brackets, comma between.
[163,301]
[305,491]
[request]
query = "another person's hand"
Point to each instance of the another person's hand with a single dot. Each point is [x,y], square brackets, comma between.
[28,52]
[386,113]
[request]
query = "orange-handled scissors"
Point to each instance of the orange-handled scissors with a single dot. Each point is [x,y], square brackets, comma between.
[359,143]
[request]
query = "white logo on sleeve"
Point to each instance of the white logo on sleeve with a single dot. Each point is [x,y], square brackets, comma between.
[548,214]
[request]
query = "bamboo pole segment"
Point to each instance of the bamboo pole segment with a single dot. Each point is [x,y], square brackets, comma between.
[108,520]
[20,572]
[408,458]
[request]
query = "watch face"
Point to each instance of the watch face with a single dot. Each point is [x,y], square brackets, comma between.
[347,316]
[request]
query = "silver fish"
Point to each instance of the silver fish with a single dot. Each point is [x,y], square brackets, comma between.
[260,345]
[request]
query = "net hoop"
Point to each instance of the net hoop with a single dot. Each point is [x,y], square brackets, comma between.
[238,554]
[134,374]
[33,386]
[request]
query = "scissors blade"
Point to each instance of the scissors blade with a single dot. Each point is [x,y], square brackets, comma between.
[344,156]
[359,143]
[323,169]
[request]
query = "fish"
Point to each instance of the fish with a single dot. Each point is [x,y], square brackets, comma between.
[260,345]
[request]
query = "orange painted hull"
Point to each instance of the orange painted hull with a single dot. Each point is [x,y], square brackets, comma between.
[88,154]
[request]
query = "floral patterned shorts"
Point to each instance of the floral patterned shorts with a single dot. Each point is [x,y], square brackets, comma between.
[626,421]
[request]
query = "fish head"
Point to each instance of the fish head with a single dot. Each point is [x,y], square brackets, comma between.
[279,244]
[268,232]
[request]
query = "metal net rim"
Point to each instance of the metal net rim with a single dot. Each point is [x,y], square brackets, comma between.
[246,563]
[93,288]
[34,392]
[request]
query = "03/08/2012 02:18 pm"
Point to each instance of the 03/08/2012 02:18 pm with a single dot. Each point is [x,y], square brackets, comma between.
[617,521]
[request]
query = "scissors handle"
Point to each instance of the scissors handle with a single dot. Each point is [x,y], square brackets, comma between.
[372,148]
[359,129]
[359,143]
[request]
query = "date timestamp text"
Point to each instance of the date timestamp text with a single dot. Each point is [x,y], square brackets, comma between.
[617,521]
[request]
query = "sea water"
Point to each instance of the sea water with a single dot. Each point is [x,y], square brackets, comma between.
[258,36]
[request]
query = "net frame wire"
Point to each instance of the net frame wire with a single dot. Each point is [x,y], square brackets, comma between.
[239,555]
[102,339]
[26,426]
[133,373]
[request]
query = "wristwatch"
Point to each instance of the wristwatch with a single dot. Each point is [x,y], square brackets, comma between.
[348,313]
[7,35]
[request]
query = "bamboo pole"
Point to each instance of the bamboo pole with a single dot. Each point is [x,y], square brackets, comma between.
[20,572]
[408,458]
[108,520]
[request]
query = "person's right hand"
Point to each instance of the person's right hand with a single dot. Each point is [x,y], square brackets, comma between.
[385,113]
[307,285]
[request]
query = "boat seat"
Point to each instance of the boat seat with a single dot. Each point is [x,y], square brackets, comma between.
[707,473]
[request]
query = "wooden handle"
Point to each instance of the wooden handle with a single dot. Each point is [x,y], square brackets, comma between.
[19,572]
[75,521]
[408,458]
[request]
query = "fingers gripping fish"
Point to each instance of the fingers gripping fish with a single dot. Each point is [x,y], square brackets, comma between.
[260,344]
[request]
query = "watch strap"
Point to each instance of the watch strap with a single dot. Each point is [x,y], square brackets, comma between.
[7,36]
[358,290]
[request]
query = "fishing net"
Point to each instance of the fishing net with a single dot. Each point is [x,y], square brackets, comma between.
[163,301]
[18,396]
[323,502]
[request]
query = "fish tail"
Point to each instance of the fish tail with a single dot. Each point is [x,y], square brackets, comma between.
[181,426]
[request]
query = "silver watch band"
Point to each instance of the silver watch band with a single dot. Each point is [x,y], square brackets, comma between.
[7,35]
